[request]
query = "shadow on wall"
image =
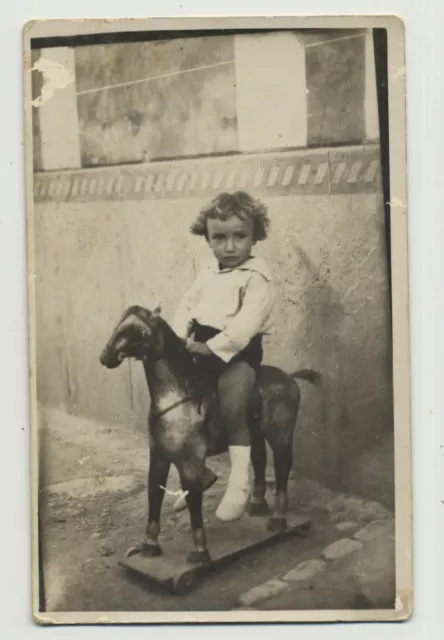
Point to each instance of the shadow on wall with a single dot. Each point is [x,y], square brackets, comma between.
[323,330]
[333,316]
[313,341]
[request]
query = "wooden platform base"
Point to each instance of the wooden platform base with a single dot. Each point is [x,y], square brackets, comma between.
[226,542]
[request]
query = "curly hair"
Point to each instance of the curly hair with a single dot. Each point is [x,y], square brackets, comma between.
[239,204]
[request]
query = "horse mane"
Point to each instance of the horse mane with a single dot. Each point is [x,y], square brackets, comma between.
[173,344]
[176,353]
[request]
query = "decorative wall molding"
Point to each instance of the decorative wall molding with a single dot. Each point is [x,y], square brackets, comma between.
[342,170]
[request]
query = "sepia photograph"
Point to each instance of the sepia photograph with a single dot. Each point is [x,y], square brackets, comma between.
[218,320]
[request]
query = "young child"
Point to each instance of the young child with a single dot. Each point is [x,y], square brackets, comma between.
[228,310]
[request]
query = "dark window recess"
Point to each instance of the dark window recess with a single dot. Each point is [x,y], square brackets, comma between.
[187,108]
[335,77]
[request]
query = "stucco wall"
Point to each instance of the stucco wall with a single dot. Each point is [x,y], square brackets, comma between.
[326,250]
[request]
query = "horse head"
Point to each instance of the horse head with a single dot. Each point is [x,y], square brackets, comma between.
[138,334]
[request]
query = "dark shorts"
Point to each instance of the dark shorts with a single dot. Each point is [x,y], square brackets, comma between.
[252,353]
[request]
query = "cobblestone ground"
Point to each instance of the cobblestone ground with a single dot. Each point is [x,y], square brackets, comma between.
[94,507]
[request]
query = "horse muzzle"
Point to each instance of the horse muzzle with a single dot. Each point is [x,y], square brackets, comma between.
[112,360]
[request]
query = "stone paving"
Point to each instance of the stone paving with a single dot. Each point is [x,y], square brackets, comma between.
[360,567]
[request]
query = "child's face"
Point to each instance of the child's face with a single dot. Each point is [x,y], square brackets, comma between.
[231,240]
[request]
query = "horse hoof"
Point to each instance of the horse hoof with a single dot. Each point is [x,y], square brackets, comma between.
[148,550]
[132,551]
[258,509]
[277,525]
[199,557]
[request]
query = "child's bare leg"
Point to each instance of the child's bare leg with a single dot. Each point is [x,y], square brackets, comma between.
[235,386]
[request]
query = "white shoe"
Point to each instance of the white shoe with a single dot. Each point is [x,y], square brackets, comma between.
[235,501]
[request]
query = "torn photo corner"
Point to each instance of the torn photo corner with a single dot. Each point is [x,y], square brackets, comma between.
[218,319]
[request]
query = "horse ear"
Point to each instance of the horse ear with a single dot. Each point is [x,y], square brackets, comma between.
[158,310]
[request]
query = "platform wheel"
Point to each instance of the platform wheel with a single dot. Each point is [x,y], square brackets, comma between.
[185,582]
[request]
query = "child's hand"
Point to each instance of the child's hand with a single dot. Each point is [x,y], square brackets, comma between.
[198,348]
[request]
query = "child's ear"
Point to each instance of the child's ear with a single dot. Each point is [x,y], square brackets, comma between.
[158,310]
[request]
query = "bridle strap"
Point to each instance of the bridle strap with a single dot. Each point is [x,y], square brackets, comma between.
[176,404]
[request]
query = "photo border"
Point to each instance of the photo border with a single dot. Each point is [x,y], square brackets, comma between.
[399,296]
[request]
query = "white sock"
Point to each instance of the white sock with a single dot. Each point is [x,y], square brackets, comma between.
[240,467]
[234,502]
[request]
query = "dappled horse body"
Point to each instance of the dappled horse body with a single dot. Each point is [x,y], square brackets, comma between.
[184,429]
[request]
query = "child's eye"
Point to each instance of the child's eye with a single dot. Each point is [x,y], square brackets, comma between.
[241,236]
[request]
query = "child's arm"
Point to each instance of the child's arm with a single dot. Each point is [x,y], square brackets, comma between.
[198,348]
[257,304]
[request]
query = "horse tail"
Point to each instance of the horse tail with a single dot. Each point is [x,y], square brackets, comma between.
[307,374]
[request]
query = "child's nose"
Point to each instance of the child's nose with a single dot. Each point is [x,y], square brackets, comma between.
[230,244]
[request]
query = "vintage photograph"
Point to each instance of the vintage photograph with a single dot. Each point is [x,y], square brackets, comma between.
[218,319]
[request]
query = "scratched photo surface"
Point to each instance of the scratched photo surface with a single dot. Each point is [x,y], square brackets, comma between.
[133,134]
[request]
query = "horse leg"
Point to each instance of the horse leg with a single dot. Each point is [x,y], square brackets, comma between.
[283,462]
[209,478]
[157,479]
[191,476]
[258,505]
[281,415]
